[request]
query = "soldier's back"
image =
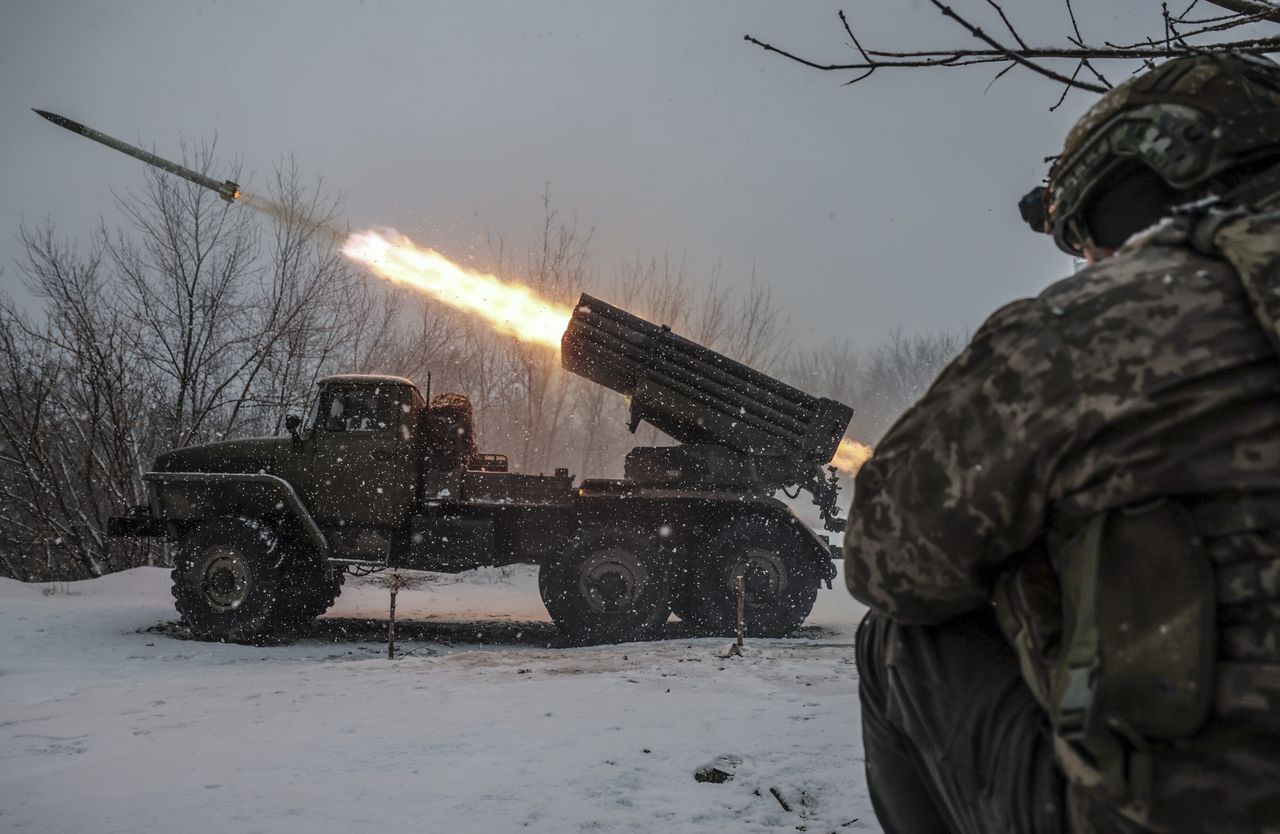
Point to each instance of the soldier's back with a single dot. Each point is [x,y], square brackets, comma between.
[1179,398]
[1178,385]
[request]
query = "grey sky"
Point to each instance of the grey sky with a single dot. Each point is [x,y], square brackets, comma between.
[890,202]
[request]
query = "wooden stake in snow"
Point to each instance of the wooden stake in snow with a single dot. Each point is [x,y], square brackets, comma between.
[742,606]
[394,585]
[736,648]
[777,794]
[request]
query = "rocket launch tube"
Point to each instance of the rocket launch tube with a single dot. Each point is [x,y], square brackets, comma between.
[696,395]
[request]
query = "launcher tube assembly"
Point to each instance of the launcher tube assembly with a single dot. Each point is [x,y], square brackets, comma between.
[702,398]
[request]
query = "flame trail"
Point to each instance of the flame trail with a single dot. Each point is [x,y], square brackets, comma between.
[851,455]
[509,308]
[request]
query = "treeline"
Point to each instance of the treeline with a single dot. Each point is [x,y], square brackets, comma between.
[200,321]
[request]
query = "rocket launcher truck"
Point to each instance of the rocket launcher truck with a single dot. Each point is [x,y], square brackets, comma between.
[377,476]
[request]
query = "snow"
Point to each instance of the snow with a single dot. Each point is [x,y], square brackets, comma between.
[108,727]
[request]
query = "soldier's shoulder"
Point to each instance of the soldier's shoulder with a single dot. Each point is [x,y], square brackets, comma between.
[1251,238]
[1010,328]
[1151,270]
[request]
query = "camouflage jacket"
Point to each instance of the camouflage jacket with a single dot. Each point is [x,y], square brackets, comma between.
[1144,376]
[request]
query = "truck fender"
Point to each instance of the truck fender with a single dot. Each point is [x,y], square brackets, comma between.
[182,496]
[821,552]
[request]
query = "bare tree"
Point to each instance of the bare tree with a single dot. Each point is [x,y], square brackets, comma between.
[74,422]
[758,332]
[1233,25]
[555,269]
[598,413]
[899,371]
[833,369]
[188,326]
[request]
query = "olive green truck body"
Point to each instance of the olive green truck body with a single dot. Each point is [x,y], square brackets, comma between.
[377,477]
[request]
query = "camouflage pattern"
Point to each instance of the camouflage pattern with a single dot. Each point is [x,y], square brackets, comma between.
[1245,242]
[1145,376]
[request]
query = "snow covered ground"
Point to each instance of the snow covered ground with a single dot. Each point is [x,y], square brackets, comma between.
[107,726]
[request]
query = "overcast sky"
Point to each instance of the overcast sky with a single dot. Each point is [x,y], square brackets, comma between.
[892,202]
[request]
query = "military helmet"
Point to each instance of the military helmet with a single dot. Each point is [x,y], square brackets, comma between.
[1188,121]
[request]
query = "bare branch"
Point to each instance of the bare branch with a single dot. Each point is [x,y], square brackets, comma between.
[844,21]
[1174,41]
[1075,27]
[1067,88]
[1266,11]
[1012,55]
[999,75]
[1000,11]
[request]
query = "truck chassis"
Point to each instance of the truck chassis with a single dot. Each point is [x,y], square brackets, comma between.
[378,477]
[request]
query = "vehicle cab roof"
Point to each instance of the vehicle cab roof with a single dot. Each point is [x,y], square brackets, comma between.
[367,379]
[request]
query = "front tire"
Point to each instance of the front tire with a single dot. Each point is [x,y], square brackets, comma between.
[611,585]
[307,587]
[225,580]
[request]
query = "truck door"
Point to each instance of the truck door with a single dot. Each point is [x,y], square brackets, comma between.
[362,463]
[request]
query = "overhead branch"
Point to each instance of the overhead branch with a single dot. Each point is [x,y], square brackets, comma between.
[877,58]
[1013,55]
[1269,11]
[1175,39]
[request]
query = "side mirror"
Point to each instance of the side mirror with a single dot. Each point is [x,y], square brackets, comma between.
[292,423]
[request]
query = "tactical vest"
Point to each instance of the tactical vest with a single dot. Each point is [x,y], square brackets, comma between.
[1168,613]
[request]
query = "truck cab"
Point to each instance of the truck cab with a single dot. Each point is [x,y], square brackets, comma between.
[383,473]
[356,461]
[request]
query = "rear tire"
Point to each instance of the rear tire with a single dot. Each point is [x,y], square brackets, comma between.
[611,585]
[781,583]
[225,580]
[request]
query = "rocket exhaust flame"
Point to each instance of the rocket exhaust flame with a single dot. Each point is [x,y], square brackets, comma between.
[850,456]
[508,308]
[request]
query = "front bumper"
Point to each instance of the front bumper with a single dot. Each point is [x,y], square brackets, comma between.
[138,523]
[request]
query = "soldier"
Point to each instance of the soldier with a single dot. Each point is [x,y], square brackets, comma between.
[1071,543]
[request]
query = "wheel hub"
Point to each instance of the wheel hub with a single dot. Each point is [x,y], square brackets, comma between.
[224,579]
[764,574]
[612,580]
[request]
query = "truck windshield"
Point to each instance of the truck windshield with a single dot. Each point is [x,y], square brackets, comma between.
[364,409]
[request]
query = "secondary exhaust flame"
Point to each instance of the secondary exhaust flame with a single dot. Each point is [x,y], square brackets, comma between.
[509,308]
[851,455]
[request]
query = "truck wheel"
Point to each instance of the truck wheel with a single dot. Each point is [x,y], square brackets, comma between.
[307,587]
[225,580]
[611,585]
[781,585]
